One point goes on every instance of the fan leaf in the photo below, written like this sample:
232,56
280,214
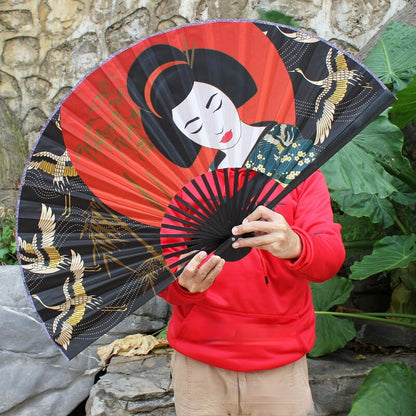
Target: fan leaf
393,58
392,252
331,333
389,389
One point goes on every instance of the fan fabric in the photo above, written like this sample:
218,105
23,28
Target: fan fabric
165,147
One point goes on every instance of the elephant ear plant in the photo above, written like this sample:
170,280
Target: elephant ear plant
373,185
372,182
388,389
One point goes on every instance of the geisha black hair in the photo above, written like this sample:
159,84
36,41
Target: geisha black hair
162,76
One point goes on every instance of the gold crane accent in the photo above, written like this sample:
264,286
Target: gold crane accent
76,304
41,254
334,87
301,37
60,168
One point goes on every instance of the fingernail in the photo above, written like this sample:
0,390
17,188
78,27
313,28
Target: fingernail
234,230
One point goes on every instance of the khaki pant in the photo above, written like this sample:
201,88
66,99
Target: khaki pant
202,390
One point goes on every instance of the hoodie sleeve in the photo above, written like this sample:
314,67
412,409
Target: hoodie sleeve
323,251
175,294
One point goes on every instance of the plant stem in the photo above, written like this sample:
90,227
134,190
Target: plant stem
371,317
359,244
391,314
401,226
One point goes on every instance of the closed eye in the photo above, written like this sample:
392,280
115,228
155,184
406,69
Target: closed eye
197,130
191,122
219,106
212,100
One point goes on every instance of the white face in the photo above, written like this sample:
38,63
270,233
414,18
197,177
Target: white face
208,117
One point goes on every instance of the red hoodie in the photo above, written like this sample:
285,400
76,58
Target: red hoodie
258,313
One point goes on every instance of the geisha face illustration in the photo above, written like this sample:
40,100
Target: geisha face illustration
208,117
189,105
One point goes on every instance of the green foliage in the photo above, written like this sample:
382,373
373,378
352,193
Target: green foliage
358,229
382,187
277,17
404,109
390,253
7,239
373,187
381,174
389,389
331,333
163,333
393,59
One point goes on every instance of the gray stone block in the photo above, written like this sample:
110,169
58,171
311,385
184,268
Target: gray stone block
33,372
133,386
137,385
335,378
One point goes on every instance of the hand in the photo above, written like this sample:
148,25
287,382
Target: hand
271,233
197,277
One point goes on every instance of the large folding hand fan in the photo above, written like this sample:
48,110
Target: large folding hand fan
163,149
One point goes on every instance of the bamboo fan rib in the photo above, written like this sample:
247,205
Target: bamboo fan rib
223,206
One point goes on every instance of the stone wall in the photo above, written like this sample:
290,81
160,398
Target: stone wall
47,46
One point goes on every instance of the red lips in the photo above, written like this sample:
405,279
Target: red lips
227,137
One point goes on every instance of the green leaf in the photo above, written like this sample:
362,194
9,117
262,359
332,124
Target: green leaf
393,58
392,252
277,17
333,292
384,141
404,109
380,211
405,195
370,169
358,229
331,333
388,390
356,168
164,332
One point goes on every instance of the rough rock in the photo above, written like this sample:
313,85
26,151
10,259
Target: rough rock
142,385
335,378
15,20
21,51
13,154
148,319
33,373
130,29
134,386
